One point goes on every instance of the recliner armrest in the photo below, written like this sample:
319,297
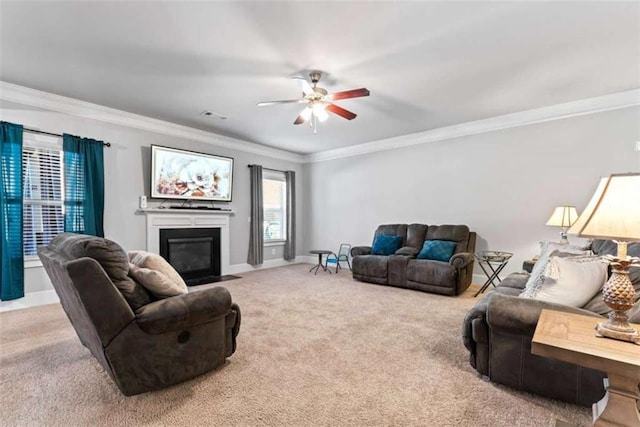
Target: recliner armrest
461,260
360,250
409,251
517,315
183,311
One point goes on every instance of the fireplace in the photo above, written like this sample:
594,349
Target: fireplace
171,219
193,252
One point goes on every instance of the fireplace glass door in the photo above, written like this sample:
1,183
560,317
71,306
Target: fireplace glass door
193,252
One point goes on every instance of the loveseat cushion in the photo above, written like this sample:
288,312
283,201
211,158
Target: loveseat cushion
436,273
371,265
111,257
386,245
515,280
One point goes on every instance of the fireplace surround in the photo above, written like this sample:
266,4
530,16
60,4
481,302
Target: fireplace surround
167,219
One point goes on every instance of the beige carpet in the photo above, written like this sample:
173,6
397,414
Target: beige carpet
313,350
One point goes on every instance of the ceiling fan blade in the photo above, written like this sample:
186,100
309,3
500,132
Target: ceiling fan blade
354,93
299,120
341,112
289,101
304,85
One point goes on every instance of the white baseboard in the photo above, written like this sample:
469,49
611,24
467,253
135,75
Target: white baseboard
479,279
31,299
271,263
34,299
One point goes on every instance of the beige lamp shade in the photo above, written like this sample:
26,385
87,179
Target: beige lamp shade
614,210
563,216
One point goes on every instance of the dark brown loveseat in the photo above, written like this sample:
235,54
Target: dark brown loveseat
402,269
141,343
499,328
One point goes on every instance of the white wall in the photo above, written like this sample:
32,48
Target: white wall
503,184
127,164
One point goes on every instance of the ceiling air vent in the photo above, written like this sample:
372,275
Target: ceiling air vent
211,114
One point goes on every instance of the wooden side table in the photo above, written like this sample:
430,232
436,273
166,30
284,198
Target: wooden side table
571,338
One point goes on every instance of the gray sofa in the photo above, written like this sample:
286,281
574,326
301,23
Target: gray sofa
402,269
141,343
499,328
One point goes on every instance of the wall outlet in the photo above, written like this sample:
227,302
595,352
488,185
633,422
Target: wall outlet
273,251
143,202
637,145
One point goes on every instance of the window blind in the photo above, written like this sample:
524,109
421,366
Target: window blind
42,193
274,199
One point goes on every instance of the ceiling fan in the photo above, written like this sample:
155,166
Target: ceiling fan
319,101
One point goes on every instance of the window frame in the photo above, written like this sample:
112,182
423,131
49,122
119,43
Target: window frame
35,141
271,175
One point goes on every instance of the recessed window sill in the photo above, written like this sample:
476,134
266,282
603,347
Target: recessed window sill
32,262
275,243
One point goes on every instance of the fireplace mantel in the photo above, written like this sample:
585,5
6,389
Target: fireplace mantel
188,218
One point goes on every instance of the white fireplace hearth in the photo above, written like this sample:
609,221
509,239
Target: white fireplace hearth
158,219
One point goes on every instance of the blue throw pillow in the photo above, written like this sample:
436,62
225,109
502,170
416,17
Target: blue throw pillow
386,245
437,250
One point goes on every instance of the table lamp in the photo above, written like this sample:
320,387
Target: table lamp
614,213
565,217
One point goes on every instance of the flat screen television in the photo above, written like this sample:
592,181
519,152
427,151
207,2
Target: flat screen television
187,175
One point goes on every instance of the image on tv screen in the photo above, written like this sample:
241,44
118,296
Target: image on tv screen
180,174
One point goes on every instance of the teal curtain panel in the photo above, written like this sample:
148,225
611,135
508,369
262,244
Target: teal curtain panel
83,185
11,216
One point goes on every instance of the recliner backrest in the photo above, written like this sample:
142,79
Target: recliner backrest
453,233
416,235
392,230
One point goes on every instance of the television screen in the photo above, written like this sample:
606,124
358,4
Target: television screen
181,174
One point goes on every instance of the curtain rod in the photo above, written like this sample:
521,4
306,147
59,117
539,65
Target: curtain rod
268,169
107,144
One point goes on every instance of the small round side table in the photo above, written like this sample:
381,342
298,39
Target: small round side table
320,252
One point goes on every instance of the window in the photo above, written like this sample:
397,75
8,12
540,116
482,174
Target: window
42,191
274,196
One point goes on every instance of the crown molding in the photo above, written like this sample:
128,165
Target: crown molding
615,101
62,104
52,102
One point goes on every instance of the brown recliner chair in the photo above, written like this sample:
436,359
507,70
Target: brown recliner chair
142,343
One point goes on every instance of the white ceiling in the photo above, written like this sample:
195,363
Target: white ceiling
427,64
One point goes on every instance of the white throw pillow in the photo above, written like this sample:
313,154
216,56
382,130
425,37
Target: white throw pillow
156,262
572,281
156,282
537,274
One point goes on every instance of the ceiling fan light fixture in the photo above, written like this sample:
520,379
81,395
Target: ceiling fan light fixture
319,101
306,113
321,114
